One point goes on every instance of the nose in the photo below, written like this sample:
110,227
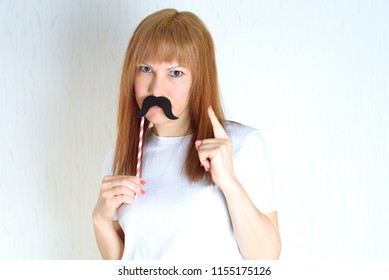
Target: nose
158,85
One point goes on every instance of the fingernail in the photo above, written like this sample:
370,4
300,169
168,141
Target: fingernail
142,191
142,182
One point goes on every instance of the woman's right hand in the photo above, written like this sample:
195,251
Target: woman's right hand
116,190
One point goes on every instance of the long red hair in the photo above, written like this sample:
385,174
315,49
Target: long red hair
162,37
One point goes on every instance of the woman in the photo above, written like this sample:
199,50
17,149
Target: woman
205,191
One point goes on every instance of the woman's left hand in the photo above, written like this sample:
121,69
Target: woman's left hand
215,154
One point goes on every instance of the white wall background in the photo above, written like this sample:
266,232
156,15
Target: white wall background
316,77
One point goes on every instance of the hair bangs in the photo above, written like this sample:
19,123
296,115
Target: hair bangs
166,43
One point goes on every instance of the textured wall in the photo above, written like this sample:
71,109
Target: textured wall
314,76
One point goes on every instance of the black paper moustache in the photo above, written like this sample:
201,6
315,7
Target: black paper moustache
160,101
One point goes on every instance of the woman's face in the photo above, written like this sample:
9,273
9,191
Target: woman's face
168,79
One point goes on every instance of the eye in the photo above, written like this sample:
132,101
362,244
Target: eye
145,69
176,73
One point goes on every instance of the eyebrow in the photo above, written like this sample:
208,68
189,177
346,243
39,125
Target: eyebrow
145,64
170,68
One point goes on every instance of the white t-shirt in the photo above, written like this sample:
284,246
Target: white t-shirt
179,220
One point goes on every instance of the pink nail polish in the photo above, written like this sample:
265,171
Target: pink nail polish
142,191
142,182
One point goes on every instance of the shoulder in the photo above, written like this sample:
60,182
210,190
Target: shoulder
243,135
108,162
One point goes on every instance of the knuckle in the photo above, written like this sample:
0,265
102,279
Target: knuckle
125,190
124,182
119,190
121,182
227,143
107,178
105,196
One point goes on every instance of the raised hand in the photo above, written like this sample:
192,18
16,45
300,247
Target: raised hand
215,154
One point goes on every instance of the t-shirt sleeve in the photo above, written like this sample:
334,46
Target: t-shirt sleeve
107,170
108,164
252,167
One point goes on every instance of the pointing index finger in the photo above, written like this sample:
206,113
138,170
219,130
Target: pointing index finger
218,129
